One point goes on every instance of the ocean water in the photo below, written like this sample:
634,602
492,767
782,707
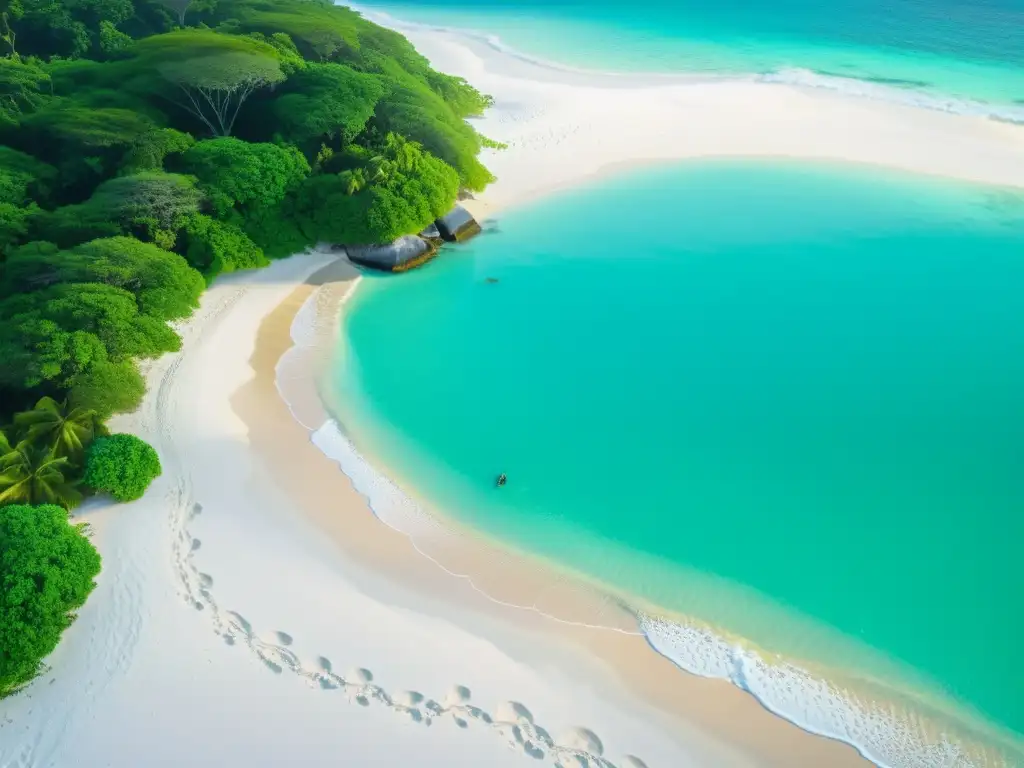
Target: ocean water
775,405
958,55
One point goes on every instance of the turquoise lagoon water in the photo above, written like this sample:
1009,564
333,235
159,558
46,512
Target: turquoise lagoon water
949,53
783,399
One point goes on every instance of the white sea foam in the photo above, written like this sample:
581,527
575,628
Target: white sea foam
875,729
387,501
897,94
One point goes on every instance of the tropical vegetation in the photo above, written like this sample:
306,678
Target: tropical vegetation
46,572
121,465
146,147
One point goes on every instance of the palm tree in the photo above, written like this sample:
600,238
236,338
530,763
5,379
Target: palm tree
405,153
355,181
33,475
65,431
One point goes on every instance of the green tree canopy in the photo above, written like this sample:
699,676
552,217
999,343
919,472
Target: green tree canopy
14,225
25,87
163,284
326,101
81,130
238,173
215,247
212,74
407,190
62,331
121,465
152,205
148,151
47,571
107,387
23,178
85,143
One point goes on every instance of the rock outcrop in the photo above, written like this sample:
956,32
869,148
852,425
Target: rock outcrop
457,225
404,253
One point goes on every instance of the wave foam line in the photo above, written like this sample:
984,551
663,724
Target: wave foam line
907,95
813,704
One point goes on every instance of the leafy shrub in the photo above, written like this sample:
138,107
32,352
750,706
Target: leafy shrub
121,465
46,573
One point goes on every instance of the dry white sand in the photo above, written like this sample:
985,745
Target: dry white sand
229,630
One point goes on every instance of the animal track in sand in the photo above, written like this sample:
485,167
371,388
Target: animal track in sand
513,721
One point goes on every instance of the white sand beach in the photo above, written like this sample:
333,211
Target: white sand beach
252,610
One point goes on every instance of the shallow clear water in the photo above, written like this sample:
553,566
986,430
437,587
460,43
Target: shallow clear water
802,382
946,48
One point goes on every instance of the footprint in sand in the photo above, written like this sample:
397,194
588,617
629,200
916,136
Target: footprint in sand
239,621
283,638
196,544
631,761
543,736
535,752
460,694
360,675
205,580
271,665
433,707
513,711
582,740
324,665
408,699
197,509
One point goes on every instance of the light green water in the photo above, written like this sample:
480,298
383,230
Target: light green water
785,399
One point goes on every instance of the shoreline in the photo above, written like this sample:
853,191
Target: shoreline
537,120
564,128
461,583
503,580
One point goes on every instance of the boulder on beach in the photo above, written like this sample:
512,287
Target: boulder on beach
405,252
457,225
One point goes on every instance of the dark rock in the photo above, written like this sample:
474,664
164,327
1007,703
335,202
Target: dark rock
457,225
404,253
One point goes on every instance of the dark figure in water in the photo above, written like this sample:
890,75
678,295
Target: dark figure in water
502,479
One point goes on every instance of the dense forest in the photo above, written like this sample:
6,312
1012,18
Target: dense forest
147,146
